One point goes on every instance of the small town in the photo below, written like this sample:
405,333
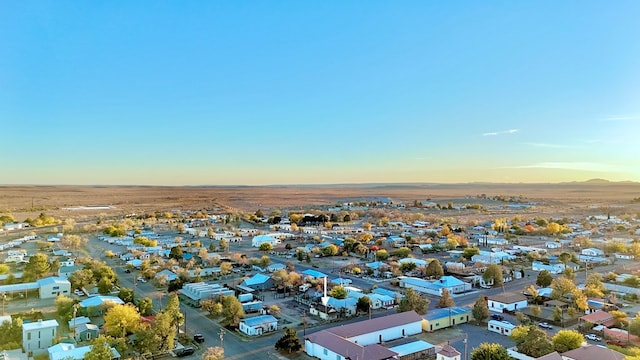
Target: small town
368,279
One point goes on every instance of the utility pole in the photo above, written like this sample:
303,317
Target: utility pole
75,312
222,338
466,346
4,297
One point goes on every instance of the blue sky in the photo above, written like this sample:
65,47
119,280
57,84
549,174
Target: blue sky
303,92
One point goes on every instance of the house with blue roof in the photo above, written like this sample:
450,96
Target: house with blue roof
259,282
346,306
258,325
418,262
313,274
51,287
445,317
452,284
168,274
92,305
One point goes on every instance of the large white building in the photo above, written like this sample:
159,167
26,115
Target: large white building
362,339
51,287
258,325
38,335
262,239
507,302
452,284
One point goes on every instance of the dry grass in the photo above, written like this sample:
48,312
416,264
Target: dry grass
125,199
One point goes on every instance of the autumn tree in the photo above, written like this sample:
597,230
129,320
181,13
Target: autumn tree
493,274
382,255
265,247
173,310
338,292
413,301
480,309
145,306
363,304
232,311
446,300
566,340
490,351
100,349
434,270
561,287
544,278
64,306
38,265
531,341
121,320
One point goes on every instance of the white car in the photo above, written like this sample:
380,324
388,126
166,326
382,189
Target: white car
545,325
141,279
593,337
78,292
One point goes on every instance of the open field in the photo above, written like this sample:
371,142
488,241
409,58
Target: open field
26,201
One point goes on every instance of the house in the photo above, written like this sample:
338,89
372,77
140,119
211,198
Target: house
507,302
326,345
598,318
38,335
86,332
313,274
275,267
77,321
264,239
414,350
500,327
360,340
624,256
443,318
93,305
66,271
259,282
592,252
492,257
448,352
452,284
194,293
418,262
168,275
556,268
323,312
258,325
591,352
345,307
64,351
552,245
51,287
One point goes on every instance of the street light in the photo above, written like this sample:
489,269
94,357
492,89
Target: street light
222,338
4,297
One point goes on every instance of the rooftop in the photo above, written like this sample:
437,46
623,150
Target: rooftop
445,312
258,320
591,352
350,349
40,324
449,351
377,324
508,298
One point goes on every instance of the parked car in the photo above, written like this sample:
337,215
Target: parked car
78,292
592,337
545,325
141,279
198,338
128,271
185,351
497,317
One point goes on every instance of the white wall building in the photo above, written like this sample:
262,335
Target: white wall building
258,325
507,301
261,239
500,327
38,335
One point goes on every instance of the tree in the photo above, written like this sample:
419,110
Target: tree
434,270
469,252
382,255
64,306
100,349
145,306
172,309
274,309
413,301
561,288
531,341
213,353
535,310
544,278
225,268
265,247
402,252
446,300
265,261
105,285
363,304
330,250
121,320
224,245
566,340
408,266
480,309
176,253
490,351
232,311
38,265
289,341
493,274
338,292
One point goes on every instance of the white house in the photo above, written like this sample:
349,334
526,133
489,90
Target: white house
262,239
500,327
258,325
592,252
552,245
506,301
38,335
492,257
360,339
448,352
624,256
65,351
556,268
452,284
51,287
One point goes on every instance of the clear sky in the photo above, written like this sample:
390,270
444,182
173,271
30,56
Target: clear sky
305,92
